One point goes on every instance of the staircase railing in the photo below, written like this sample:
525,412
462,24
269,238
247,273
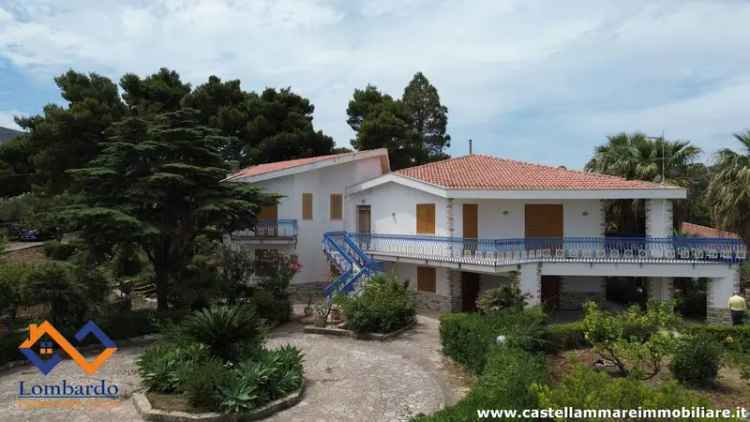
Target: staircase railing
356,265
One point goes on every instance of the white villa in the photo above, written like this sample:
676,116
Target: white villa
453,228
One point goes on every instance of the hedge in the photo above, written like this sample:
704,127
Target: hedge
568,336
467,338
733,337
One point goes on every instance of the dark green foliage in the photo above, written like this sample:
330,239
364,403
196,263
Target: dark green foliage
561,337
412,128
267,376
585,388
502,298
54,285
222,329
201,382
128,324
467,338
383,306
58,250
269,307
164,368
9,347
696,360
13,278
506,383
157,184
16,167
733,338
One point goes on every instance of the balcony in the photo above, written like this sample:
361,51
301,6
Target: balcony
499,252
268,232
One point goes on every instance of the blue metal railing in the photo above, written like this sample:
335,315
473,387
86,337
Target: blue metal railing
282,228
511,251
353,263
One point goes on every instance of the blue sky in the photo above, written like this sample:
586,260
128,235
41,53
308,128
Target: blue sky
533,80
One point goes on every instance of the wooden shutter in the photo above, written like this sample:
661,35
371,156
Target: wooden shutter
544,220
425,218
426,279
337,205
471,221
269,213
307,206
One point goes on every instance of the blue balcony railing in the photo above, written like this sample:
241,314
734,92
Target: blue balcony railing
588,249
269,229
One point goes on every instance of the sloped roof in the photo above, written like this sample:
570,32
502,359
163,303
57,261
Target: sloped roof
278,166
691,229
483,172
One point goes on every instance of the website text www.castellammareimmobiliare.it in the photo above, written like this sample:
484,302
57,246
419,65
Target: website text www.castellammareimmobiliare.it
614,414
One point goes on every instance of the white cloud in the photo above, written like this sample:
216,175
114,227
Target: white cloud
6,119
516,75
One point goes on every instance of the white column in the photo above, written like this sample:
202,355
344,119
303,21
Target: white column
660,289
530,283
717,297
659,218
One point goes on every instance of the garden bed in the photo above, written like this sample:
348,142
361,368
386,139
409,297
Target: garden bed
338,330
175,408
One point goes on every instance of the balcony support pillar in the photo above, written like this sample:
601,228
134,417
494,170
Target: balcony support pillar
659,219
660,289
719,290
530,283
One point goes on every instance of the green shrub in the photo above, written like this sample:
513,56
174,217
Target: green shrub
502,298
505,384
635,342
223,329
568,336
269,307
383,306
9,347
201,382
267,376
696,360
13,276
165,367
586,388
734,338
58,250
55,285
467,338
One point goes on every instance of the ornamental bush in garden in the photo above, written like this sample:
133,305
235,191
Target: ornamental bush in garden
217,360
696,360
383,306
636,342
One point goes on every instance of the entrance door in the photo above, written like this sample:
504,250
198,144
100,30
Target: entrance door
544,226
469,291
363,219
364,226
551,291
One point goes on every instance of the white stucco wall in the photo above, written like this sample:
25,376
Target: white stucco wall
394,209
659,218
503,218
321,183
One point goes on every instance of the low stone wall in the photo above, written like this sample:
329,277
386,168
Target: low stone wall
718,316
432,303
302,293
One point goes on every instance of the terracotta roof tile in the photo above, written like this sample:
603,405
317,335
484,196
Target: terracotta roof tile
483,172
691,229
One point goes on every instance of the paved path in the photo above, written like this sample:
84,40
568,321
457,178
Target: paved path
347,380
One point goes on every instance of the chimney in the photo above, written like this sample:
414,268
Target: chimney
471,150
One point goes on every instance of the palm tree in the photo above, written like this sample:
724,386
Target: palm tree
729,190
636,156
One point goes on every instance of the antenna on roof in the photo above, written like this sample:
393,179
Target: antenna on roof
471,150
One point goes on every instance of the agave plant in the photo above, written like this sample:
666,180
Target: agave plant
223,329
238,396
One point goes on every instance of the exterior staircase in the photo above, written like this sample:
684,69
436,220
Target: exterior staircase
354,265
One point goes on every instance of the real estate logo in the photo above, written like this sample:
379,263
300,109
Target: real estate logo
50,344
50,358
